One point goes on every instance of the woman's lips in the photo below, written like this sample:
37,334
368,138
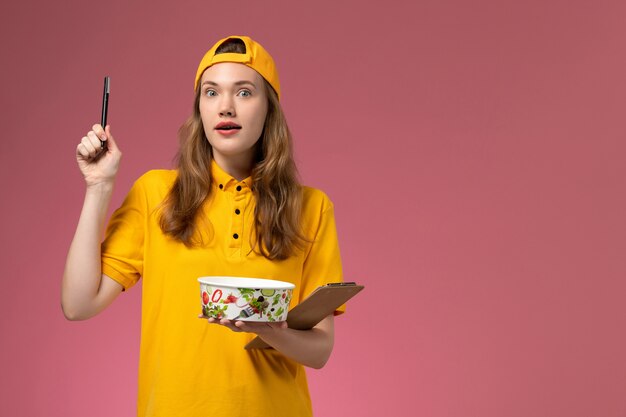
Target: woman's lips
227,132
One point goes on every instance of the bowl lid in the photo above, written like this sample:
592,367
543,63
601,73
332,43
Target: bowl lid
245,282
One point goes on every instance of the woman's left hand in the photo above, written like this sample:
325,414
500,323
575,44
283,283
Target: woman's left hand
258,328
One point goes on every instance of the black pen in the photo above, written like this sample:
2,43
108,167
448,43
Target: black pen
105,105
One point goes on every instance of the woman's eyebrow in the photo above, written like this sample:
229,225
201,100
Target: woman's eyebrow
235,83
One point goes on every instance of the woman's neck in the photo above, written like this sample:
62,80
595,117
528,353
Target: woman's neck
238,167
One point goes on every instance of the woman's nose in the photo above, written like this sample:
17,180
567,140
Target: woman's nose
227,108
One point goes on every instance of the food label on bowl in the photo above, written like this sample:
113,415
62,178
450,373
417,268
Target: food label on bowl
245,303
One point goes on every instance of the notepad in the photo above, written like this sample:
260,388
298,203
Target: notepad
319,304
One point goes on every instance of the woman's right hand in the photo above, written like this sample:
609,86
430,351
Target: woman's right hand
98,165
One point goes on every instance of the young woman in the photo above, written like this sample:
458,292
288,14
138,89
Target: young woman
233,207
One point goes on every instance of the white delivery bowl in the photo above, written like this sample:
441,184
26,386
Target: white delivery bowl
246,299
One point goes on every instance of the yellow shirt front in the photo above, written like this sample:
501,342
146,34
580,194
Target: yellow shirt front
189,367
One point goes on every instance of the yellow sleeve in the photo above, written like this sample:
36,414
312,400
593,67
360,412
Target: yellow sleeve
322,264
122,248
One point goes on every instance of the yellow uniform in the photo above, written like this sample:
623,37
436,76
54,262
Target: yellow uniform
189,367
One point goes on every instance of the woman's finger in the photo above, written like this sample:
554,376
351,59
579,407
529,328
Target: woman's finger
86,142
99,131
230,324
95,140
82,151
279,325
112,145
223,322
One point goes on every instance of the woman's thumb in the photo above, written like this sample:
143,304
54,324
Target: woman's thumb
111,144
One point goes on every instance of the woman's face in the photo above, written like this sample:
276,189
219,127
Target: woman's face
232,92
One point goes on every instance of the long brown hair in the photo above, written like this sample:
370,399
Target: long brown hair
278,194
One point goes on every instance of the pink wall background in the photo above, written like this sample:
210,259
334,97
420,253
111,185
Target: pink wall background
474,152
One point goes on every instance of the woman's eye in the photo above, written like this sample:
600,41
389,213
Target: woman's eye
213,93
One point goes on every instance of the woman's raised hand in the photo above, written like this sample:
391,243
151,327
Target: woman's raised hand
96,164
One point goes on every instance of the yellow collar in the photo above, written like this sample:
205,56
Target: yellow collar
225,181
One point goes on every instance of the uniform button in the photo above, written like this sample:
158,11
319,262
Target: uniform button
237,211
236,236
221,186
239,188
